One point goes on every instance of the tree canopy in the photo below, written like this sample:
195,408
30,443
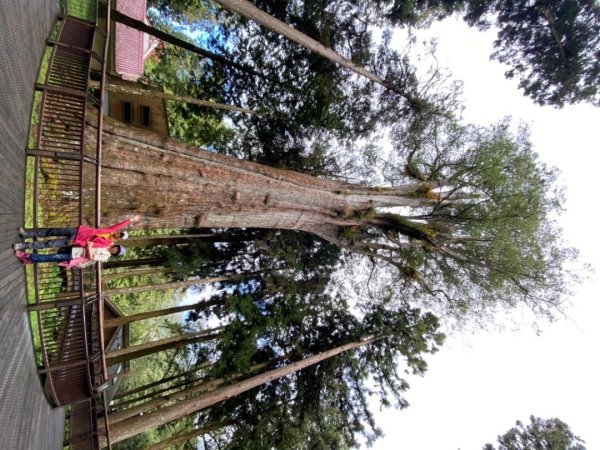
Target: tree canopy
551,46
448,217
548,434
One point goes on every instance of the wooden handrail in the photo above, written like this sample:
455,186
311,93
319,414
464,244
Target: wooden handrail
98,178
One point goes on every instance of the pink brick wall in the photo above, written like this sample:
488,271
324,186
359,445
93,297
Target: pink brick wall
129,43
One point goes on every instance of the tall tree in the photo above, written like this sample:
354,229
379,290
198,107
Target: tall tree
547,434
137,351
141,90
248,10
182,43
299,327
551,46
133,426
478,227
326,406
174,284
131,263
161,401
119,321
407,334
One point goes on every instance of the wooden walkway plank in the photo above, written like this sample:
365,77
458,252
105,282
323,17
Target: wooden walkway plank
26,420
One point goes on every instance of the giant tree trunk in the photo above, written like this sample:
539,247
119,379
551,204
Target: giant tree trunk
130,427
172,185
175,239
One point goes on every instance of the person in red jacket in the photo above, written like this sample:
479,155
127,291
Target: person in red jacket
77,236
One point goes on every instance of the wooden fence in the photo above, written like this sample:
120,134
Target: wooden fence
65,305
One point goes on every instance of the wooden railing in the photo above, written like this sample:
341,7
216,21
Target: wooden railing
66,305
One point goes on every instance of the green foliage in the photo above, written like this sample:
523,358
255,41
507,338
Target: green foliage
551,46
83,9
238,342
187,260
419,12
325,405
548,434
186,74
184,12
485,234
351,234
365,214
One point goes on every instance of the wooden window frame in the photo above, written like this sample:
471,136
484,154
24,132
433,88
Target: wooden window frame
127,110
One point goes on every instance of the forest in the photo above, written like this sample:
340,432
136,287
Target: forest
321,216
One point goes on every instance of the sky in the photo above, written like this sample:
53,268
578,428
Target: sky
481,382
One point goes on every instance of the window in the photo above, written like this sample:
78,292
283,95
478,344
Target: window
146,115
127,112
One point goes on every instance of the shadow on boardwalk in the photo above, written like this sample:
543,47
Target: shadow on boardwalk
26,420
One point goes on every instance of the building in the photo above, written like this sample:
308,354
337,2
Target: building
129,50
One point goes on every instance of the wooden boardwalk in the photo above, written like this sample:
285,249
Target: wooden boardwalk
26,420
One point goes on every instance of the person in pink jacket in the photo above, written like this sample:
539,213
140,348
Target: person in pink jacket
79,236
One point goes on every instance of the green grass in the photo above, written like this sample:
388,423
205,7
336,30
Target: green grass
44,65
29,284
29,192
35,336
83,9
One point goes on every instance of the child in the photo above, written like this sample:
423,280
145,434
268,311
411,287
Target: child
73,255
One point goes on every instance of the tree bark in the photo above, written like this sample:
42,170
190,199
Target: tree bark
124,394
118,321
248,10
172,97
137,351
172,285
135,425
172,185
145,408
